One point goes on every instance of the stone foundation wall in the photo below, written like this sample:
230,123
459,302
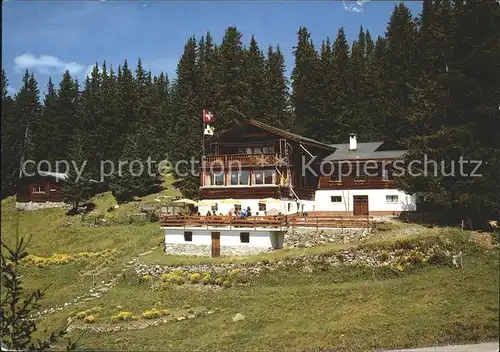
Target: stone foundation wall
206,250
38,205
304,238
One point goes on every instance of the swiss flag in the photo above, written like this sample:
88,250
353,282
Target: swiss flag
208,116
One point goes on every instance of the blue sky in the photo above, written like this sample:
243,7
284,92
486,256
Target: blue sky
49,37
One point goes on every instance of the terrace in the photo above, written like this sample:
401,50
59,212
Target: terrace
278,222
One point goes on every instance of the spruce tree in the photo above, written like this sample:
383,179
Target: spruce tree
254,68
27,112
400,71
10,146
278,96
187,121
66,117
304,89
342,93
234,99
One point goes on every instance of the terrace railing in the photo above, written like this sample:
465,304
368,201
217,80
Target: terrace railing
279,221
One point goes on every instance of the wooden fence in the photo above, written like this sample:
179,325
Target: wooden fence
267,221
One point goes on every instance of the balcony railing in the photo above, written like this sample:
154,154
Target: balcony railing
279,221
261,160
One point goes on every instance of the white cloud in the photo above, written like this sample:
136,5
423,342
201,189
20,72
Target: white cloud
46,64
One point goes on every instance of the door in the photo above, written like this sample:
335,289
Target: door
360,205
215,244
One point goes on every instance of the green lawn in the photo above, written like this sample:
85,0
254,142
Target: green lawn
343,308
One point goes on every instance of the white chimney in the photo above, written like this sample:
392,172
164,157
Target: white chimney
353,142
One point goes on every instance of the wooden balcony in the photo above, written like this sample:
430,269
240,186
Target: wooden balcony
235,160
279,221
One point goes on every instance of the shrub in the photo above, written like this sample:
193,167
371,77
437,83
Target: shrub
439,257
89,319
151,314
206,279
81,315
195,278
415,258
123,316
384,256
219,281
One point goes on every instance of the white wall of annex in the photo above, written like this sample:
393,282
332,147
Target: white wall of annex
377,200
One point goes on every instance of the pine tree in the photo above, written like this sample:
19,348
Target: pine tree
45,137
66,117
340,98
324,101
234,99
278,96
400,71
187,121
78,188
455,106
303,76
10,146
27,112
254,68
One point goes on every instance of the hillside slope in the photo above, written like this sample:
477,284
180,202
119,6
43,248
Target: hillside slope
342,307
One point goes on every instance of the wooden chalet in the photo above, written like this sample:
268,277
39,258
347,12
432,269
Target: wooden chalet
42,187
255,160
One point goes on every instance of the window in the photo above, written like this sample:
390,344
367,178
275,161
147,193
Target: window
359,173
264,177
52,189
257,150
38,189
248,150
265,150
240,178
188,236
237,207
391,199
241,150
335,177
387,173
214,208
271,150
262,206
217,179
336,199
245,237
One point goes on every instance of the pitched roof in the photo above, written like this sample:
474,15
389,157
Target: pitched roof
285,134
363,151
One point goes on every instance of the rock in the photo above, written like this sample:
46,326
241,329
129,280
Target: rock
181,318
238,317
190,316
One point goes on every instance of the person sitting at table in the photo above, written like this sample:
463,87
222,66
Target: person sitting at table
209,213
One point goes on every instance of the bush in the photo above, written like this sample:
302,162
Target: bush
195,278
89,319
151,314
123,316
206,279
439,257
